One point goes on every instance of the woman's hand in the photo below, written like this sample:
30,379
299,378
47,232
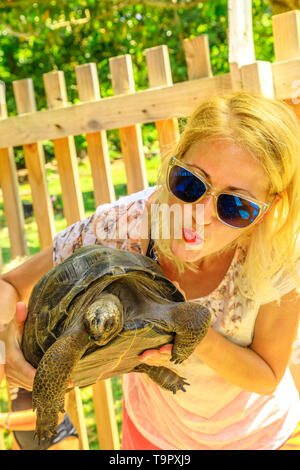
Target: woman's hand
157,357
18,372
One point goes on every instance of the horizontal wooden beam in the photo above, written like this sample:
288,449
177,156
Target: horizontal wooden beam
115,112
145,106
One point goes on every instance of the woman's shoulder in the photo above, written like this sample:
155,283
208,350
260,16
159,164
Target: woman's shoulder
116,224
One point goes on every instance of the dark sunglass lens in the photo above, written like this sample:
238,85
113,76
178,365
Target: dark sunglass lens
184,185
236,211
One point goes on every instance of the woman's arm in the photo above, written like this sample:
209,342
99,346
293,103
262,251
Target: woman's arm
15,289
22,278
258,368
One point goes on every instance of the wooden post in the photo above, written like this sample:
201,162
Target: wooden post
159,73
240,38
35,163
286,31
197,57
74,409
131,137
13,211
88,89
258,77
65,151
105,416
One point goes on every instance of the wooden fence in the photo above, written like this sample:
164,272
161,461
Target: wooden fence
163,102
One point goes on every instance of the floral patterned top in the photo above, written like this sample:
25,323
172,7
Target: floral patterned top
213,413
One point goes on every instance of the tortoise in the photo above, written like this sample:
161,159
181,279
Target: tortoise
92,315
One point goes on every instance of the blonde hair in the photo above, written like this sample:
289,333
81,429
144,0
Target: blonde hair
269,130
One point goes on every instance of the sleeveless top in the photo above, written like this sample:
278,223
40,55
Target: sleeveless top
213,414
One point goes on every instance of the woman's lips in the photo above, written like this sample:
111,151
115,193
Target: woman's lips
191,237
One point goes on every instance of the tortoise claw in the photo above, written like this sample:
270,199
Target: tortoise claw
179,385
42,435
46,424
177,360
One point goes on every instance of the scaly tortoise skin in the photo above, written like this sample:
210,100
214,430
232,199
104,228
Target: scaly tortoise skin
92,315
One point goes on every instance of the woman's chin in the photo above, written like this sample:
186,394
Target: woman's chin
188,252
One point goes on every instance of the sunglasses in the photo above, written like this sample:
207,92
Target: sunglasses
233,209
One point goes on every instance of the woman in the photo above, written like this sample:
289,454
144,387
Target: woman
237,160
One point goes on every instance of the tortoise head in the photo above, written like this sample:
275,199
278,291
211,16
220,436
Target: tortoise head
104,319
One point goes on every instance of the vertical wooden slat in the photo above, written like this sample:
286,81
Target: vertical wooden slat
257,77
286,31
74,409
130,137
241,43
240,38
88,89
11,199
197,57
65,152
159,73
105,416
35,163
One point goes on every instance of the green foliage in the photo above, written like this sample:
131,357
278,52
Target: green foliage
38,37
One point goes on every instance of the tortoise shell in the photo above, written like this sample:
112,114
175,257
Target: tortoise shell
51,309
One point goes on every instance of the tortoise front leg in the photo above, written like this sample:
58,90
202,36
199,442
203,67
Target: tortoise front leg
52,378
191,323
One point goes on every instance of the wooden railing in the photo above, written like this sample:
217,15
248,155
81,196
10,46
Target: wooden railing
163,103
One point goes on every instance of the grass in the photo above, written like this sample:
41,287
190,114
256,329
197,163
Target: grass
86,186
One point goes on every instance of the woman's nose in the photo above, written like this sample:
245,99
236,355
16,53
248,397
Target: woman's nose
208,209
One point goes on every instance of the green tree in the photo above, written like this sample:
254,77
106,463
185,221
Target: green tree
37,37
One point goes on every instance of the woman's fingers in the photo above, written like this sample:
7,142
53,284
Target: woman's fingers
20,373
21,315
17,370
166,348
21,312
157,357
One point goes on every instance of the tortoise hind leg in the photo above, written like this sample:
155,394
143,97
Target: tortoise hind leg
163,376
52,378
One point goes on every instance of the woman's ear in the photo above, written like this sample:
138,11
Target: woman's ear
278,197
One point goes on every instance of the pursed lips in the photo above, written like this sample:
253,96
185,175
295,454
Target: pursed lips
191,236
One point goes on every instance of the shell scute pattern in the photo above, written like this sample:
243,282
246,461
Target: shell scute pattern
99,286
